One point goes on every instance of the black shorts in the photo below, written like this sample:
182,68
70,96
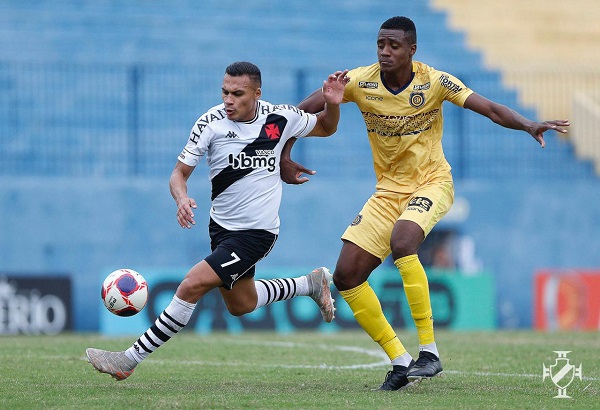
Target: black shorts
234,253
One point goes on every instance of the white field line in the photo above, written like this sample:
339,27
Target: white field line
381,360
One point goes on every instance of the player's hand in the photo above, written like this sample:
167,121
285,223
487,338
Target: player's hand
538,129
291,172
333,87
185,213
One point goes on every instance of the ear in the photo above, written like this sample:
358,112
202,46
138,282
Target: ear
257,93
413,49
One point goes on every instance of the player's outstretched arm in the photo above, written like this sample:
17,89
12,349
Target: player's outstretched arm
504,116
314,103
333,94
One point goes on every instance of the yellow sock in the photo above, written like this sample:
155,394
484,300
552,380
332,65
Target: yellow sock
368,313
416,288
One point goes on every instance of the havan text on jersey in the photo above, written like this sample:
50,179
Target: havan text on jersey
204,121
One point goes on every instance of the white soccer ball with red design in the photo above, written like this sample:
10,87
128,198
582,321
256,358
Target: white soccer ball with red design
125,292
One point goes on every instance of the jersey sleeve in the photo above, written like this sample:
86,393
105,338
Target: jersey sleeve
453,89
349,91
301,122
197,144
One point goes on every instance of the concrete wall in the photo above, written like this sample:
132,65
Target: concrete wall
89,227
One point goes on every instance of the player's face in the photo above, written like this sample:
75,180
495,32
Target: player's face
240,95
394,50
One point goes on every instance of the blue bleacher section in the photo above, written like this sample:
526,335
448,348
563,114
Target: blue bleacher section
135,75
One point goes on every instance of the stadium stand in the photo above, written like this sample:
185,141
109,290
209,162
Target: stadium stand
545,49
140,72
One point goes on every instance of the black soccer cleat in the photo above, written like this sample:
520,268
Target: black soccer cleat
428,365
396,378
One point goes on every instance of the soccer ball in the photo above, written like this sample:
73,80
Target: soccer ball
124,292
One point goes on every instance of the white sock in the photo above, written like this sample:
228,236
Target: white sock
274,290
167,325
431,348
403,360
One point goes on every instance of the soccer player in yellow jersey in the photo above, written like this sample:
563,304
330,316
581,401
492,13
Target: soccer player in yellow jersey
401,103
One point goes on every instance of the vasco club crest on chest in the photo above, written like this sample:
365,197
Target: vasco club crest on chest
273,128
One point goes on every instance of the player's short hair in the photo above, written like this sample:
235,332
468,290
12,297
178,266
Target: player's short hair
244,68
401,23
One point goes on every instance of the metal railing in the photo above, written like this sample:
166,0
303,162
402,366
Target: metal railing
112,120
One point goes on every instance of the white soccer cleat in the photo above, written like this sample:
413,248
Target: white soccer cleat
117,364
318,285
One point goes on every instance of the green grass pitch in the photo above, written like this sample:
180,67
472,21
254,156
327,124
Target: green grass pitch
308,370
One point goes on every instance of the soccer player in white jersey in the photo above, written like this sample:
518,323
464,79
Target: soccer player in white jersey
242,139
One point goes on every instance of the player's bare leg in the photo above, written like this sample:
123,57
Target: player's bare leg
249,295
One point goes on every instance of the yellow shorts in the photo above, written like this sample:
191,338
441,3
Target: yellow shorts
372,227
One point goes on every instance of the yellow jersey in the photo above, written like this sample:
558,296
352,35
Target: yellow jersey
405,126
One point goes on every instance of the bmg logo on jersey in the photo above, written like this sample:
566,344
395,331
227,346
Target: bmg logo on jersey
264,158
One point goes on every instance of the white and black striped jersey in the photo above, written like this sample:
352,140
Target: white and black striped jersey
244,162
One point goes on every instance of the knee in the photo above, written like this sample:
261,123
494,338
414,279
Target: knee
406,239
403,247
344,279
353,268
197,282
240,310
190,290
